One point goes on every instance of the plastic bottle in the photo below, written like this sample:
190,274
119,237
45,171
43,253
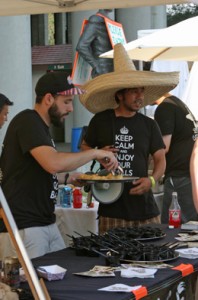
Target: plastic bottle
66,196
174,211
90,200
77,198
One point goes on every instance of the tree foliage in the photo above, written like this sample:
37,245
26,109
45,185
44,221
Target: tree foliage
51,29
179,12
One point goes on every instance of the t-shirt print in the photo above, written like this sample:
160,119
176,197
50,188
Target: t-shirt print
125,143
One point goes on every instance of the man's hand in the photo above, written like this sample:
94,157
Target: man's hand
141,186
73,179
107,159
111,148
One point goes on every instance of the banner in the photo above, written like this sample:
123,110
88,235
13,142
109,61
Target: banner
115,31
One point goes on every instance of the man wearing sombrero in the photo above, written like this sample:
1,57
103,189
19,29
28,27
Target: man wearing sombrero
116,98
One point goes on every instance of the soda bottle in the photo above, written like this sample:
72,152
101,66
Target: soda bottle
77,198
66,196
174,212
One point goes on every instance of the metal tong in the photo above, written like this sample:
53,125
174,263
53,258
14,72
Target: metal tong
105,172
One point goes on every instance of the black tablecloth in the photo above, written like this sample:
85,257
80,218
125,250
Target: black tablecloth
166,282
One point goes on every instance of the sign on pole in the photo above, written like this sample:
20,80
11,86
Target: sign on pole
82,70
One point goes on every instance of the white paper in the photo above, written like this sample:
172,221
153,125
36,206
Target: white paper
138,272
119,287
191,253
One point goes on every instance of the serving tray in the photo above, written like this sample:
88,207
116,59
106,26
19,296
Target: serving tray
175,256
113,179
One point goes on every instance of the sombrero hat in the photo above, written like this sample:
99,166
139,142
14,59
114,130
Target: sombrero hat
100,91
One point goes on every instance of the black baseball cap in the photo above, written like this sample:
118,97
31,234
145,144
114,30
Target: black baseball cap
56,82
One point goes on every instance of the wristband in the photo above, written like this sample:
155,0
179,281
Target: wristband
66,178
152,179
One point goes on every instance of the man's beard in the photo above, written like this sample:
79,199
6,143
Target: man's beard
128,107
55,116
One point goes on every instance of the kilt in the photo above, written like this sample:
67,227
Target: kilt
106,223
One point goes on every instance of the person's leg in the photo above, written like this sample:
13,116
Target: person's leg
41,240
168,189
37,241
56,241
183,187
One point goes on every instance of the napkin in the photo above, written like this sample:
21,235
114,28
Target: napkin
191,253
138,272
119,287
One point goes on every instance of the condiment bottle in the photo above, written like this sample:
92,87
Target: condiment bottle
174,211
90,202
77,198
11,267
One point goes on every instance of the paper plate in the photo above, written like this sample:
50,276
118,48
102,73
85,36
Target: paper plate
53,272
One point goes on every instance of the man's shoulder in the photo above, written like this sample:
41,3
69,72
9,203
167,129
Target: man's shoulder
105,113
171,104
103,117
145,118
172,100
166,104
26,116
27,113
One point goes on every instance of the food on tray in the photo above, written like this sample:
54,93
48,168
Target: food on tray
110,176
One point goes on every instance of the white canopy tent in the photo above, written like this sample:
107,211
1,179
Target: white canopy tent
177,42
25,7
191,91
172,66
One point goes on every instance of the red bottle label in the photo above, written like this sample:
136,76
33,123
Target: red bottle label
175,218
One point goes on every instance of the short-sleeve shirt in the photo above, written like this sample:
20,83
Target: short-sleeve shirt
171,118
29,189
136,137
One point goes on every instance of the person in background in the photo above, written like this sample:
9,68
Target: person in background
4,109
94,41
30,163
176,124
118,127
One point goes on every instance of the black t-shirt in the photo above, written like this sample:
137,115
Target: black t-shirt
136,137
171,117
28,188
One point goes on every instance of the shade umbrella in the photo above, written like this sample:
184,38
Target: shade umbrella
27,7
177,42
